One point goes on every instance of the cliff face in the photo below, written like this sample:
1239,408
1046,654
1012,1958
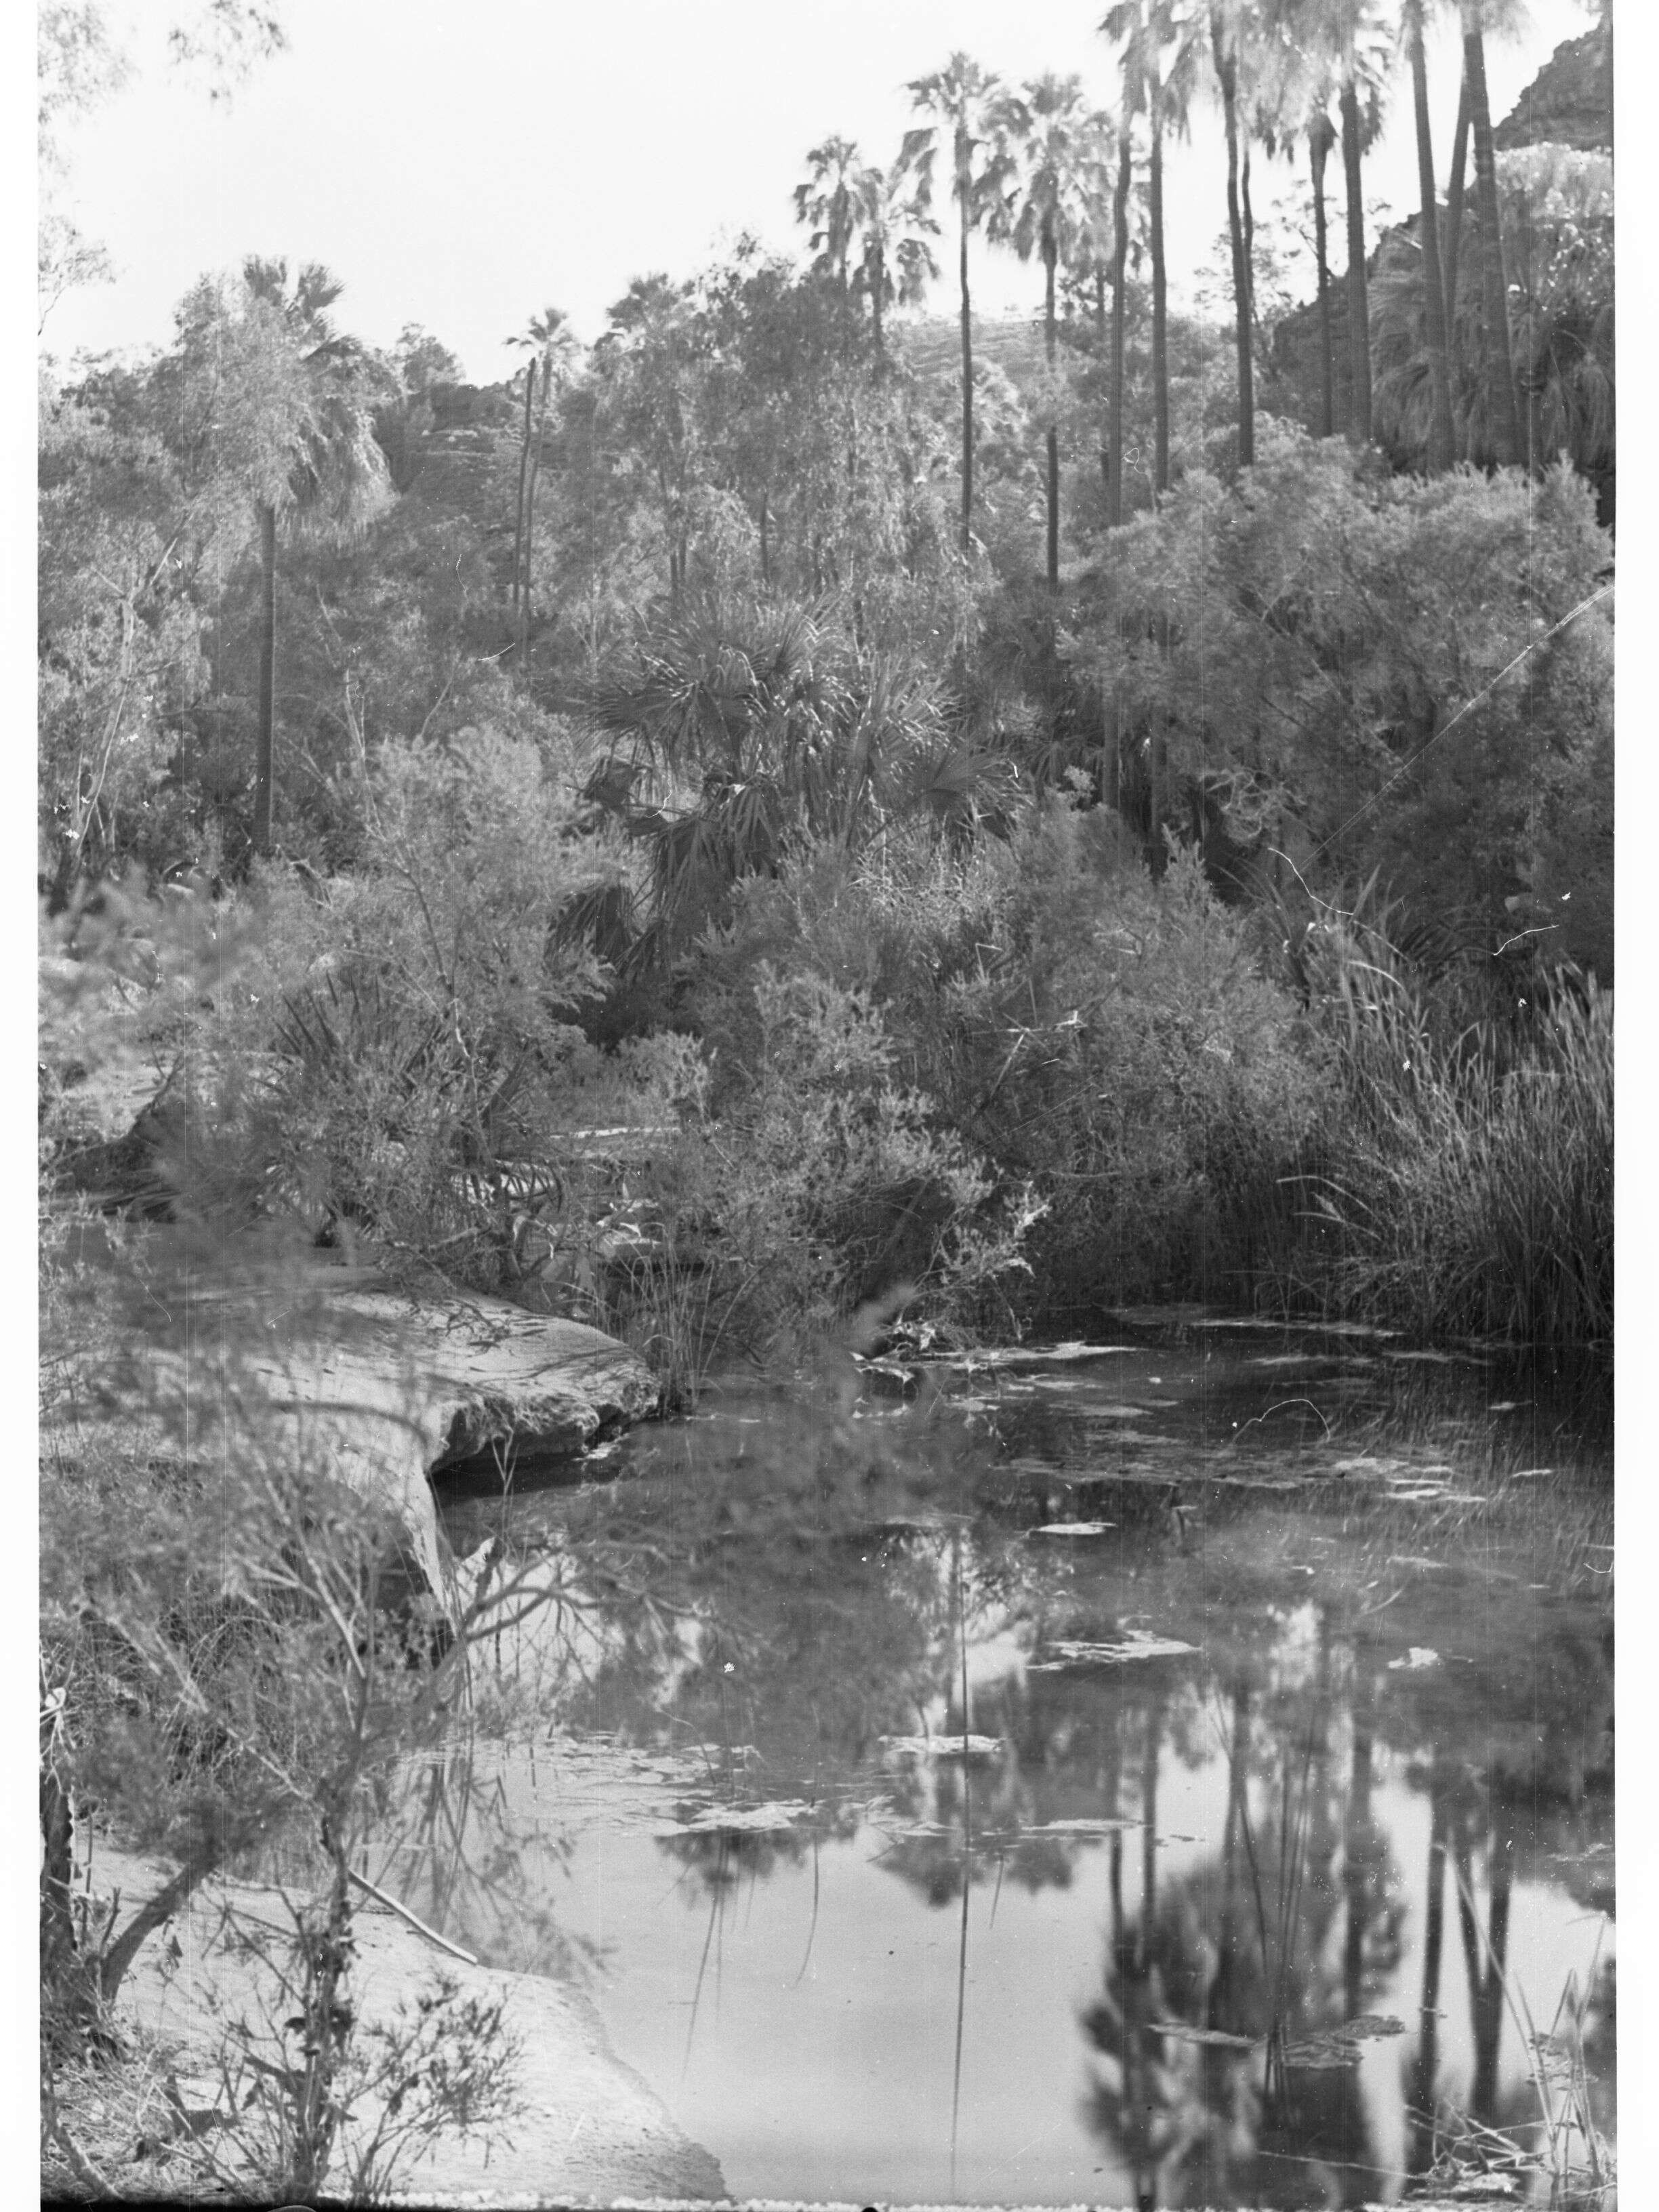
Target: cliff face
1570,102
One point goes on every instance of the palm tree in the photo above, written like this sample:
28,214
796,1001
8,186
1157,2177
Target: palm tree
1230,25
1500,368
1160,49
970,103
826,199
1056,136
552,346
1355,29
1441,435
326,469
1296,99
897,263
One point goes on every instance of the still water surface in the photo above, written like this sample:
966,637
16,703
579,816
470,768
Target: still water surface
1180,1774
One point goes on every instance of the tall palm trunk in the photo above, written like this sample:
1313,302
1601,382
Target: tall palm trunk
1319,146
1119,269
1455,192
1160,309
524,469
265,773
530,512
1050,257
1360,326
1494,288
1227,70
967,375
1441,434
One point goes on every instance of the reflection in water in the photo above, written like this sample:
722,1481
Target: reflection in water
1195,1793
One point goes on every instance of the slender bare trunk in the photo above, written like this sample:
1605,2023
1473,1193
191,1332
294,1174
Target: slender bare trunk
1360,329
967,380
1494,287
1319,146
1160,312
1120,317
1455,190
524,467
1227,71
1050,256
529,514
265,773
1442,440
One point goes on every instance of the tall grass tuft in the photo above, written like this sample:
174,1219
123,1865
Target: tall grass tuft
1461,1182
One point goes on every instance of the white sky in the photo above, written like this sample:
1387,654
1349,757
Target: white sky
462,167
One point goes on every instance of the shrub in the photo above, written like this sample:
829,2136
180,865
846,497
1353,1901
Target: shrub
1104,1039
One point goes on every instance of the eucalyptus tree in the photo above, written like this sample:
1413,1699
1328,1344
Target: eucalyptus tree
1441,434
552,348
1058,140
968,106
1160,45
311,456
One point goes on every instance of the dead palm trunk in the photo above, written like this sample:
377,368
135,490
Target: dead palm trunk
1160,309
1119,269
1441,436
265,773
1494,288
1360,331
1319,146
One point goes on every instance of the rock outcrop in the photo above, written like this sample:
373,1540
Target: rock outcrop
340,1371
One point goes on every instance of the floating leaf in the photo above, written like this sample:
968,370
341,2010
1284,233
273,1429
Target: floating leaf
737,1820
1139,1644
1179,2031
1073,1529
942,1746
1417,1658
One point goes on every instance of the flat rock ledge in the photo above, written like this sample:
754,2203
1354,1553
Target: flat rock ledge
588,2131
380,1389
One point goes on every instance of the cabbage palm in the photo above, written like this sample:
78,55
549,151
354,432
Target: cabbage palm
897,263
1356,30
1160,42
968,104
1441,438
1058,140
1500,369
826,199
321,465
552,347
1231,26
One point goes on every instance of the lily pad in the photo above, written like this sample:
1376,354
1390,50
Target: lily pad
1073,1529
1217,2038
942,1746
1139,1644
775,1819
1416,1661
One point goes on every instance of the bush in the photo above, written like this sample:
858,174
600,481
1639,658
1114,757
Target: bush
1108,1041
